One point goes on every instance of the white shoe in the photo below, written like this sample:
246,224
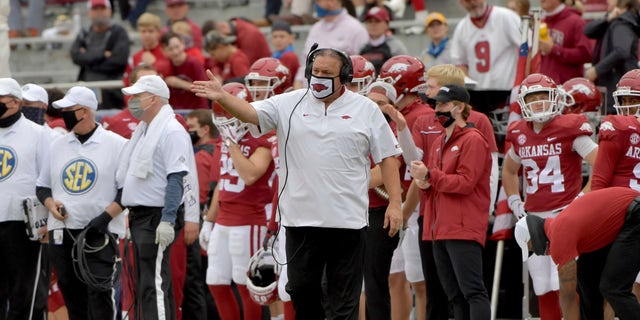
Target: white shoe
397,7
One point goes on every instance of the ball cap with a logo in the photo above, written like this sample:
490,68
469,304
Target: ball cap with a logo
435,16
383,88
452,92
34,93
378,14
81,96
152,84
99,3
531,228
10,87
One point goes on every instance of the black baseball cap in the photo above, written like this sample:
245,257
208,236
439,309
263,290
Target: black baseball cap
452,92
281,25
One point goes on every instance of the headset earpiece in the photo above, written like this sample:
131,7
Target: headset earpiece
346,71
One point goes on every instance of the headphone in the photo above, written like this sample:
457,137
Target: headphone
346,71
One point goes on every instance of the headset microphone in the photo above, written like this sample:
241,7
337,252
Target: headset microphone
313,47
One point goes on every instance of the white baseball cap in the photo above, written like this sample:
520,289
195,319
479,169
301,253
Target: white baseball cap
33,92
388,90
82,96
10,87
150,83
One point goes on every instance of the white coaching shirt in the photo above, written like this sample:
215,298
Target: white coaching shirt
20,161
83,177
171,155
491,52
327,156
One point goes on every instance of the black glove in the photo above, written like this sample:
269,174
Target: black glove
101,222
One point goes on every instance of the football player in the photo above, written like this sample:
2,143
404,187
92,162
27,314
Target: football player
267,77
363,74
550,147
618,161
237,209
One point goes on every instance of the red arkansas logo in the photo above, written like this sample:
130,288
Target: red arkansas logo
319,87
346,116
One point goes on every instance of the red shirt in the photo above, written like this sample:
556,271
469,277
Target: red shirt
237,66
204,165
459,196
552,168
290,60
241,204
190,70
618,153
123,123
162,64
251,40
591,222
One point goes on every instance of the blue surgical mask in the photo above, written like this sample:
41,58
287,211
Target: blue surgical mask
321,12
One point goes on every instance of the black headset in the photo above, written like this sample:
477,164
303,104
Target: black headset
346,71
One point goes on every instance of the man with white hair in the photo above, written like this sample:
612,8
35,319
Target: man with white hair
155,161
20,161
606,219
78,186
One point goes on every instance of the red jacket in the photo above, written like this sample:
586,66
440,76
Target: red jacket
459,196
571,50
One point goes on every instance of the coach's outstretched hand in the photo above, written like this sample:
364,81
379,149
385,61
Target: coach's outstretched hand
211,89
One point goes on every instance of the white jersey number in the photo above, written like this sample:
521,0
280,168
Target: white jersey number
633,183
226,168
549,175
483,55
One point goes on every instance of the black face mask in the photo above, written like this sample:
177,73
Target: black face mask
34,114
194,137
70,119
3,109
445,118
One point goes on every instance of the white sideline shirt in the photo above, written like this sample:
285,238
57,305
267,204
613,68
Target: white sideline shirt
21,158
327,156
83,177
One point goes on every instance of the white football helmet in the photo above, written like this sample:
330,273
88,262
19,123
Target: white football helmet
539,110
262,277
229,126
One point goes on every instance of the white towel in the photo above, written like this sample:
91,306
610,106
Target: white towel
143,162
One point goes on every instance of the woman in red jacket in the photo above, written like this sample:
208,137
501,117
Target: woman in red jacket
456,180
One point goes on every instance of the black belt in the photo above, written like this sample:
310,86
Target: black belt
140,209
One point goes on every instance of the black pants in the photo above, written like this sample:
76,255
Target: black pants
589,270
459,264
82,301
377,263
193,303
437,302
309,251
154,292
621,268
18,273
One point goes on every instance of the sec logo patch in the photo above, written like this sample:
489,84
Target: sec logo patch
79,176
8,162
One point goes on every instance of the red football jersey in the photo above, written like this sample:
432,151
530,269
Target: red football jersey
588,224
618,161
552,168
241,204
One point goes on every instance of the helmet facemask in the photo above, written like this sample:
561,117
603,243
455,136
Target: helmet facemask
539,110
625,108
